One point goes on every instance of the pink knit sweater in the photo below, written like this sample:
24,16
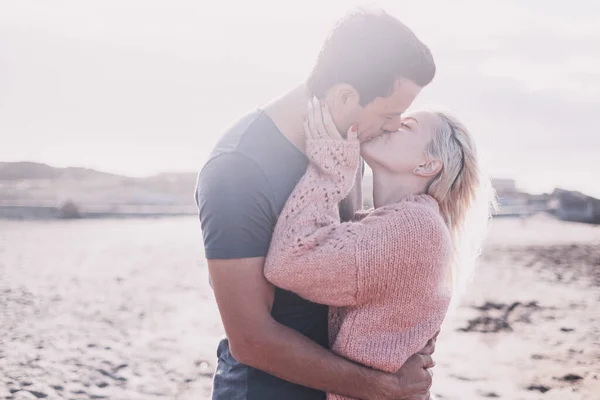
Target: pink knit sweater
384,276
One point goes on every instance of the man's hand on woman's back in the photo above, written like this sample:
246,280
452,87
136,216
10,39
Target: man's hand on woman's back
415,378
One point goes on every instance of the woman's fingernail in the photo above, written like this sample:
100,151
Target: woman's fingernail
354,127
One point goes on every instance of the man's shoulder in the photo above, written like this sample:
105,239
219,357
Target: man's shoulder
253,141
230,160
254,149
232,138
231,172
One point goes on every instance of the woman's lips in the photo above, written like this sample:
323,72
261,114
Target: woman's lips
368,138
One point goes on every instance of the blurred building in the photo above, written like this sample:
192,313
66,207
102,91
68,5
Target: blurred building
507,187
512,202
575,206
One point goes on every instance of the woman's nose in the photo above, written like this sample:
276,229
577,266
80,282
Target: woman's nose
393,124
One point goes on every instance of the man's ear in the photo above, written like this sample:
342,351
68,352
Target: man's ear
429,168
343,96
344,104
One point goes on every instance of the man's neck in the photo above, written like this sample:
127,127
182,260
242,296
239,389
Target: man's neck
390,190
288,113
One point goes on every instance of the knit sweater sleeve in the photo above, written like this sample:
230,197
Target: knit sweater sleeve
312,253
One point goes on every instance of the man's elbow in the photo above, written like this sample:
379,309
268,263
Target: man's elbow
246,347
274,275
281,274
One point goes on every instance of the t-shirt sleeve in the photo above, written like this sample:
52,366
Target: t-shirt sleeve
235,208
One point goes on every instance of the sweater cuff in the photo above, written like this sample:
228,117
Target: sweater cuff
334,156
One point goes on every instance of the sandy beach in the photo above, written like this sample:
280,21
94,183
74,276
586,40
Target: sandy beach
122,309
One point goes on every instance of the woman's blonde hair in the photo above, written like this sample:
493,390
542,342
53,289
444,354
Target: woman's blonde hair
464,193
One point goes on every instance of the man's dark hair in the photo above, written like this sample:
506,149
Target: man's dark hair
370,51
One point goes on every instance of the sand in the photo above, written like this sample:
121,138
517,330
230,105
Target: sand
117,309
122,309
529,327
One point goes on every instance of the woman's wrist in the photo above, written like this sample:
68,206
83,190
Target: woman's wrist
334,155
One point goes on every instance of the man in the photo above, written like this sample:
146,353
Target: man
369,71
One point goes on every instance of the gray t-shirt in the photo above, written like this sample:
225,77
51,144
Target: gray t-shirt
240,193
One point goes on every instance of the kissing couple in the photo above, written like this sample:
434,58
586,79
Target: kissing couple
319,297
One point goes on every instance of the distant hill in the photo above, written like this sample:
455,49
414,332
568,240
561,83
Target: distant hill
11,171
31,184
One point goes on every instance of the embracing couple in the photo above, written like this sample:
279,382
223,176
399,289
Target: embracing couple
320,298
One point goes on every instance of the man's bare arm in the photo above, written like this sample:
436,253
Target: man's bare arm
245,298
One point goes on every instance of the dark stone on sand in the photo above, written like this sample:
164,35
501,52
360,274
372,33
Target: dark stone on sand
539,388
26,383
486,325
69,210
105,373
57,387
112,376
14,390
567,329
571,378
463,378
490,394
496,316
120,367
488,305
537,357
102,384
39,395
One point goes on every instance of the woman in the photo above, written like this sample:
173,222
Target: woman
389,275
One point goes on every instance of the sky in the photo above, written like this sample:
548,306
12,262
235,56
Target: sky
139,87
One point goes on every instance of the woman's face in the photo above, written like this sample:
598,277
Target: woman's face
401,151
